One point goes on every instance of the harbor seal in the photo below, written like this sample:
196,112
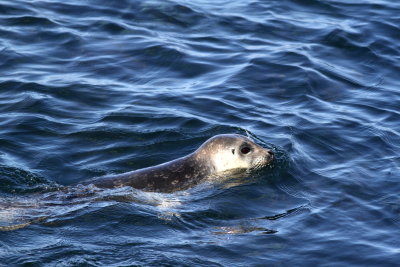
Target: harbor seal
218,157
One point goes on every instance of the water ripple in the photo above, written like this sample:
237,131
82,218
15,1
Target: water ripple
97,87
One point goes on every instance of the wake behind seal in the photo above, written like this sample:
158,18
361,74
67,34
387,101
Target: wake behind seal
216,158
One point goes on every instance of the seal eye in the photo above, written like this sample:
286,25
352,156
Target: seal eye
233,151
245,150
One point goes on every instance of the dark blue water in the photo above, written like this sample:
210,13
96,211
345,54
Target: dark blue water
97,87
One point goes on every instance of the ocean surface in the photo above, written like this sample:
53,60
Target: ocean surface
89,88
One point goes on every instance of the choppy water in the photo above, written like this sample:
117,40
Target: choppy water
96,87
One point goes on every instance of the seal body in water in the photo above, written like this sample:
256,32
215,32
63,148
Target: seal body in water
219,156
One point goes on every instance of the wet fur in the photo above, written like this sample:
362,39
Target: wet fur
214,159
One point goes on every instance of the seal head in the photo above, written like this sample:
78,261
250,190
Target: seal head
231,153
